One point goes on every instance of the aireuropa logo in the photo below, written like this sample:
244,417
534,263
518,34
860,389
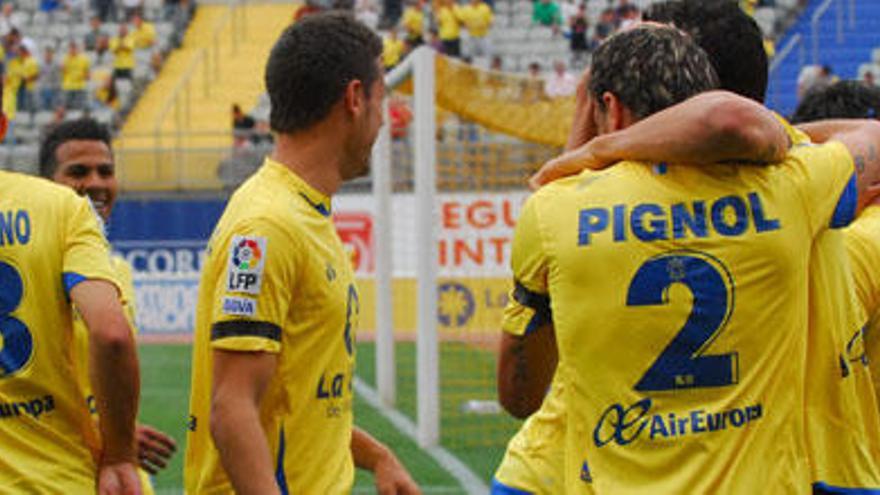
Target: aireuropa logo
247,254
624,425
247,257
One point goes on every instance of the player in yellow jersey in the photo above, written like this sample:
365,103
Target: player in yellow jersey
843,433
52,252
653,379
273,357
78,154
856,100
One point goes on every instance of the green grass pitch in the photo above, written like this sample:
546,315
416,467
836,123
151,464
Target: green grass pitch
478,440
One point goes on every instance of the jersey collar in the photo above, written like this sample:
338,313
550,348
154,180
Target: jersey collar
316,199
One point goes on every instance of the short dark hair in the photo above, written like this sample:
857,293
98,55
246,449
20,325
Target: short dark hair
841,100
84,129
730,37
650,68
312,63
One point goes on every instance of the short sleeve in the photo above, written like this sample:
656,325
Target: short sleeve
826,179
528,306
86,251
252,299
863,247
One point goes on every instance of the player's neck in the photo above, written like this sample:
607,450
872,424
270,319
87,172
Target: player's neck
315,160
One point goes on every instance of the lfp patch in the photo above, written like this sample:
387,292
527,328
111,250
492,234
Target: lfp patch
247,257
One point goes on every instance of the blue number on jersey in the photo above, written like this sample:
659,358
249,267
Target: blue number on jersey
17,342
352,306
682,364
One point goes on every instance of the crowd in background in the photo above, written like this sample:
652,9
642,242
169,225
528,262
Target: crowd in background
102,69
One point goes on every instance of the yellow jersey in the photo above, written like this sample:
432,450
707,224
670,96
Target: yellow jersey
123,52
50,240
477,19
277,279
14,73
863,247
683,272
75,72
392,50
144,36
30,69
448,27
414,22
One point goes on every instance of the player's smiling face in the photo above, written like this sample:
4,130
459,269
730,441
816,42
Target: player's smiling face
87,166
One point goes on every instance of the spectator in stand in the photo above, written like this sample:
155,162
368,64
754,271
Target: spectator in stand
604,28
477,18
75,78
106,94
102,48
449,25
122,48
578,26
393,49
144,33
182,15
533,84
242,126
49,82
869,80
562,83
414,22
621,11
90,41
546,13
29,73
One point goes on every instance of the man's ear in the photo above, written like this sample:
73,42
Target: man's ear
355,99
614,111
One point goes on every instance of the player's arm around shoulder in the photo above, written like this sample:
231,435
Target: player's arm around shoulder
712,127
391,477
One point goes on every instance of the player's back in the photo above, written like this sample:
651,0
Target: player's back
49,242
679,297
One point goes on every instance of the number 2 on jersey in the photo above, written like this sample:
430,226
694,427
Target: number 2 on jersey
683,363
17,344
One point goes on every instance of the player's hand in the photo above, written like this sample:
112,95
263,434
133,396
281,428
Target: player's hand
393,479
154,448
118,479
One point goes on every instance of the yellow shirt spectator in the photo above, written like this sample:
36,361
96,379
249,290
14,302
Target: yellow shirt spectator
123,52
10,102
448,22
413,22
392,50
144,36
30,69
14,74
75,72
477,18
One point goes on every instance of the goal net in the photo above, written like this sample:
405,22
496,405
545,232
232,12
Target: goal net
431,232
